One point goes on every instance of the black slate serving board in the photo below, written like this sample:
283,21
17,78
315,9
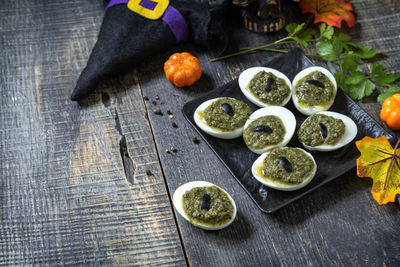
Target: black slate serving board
239,159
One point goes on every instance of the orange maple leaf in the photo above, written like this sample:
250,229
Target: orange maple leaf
380,162
332,12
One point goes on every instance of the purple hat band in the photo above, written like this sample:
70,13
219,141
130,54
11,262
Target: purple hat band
175,21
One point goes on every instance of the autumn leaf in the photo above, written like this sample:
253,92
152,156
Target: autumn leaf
332,12
379,162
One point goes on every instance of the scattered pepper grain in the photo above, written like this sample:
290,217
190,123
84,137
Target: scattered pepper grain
158,112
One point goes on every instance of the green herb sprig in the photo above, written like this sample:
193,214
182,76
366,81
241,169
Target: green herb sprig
337,47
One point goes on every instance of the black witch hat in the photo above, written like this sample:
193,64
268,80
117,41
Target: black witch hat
131,32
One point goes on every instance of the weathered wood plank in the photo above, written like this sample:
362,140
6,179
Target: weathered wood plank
338,224
74,188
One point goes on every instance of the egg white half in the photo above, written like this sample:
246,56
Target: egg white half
308,110
178,204
277,185
246,76
287,118
349,133
212,130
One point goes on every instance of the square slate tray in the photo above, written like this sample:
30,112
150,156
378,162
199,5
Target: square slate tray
239,159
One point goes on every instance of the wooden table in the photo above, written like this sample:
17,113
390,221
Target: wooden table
74,188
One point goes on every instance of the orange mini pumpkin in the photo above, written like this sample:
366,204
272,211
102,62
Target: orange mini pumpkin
182,69
390,112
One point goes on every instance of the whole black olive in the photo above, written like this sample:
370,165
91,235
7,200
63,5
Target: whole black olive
262,128
285,164
205,202
316,83
228,109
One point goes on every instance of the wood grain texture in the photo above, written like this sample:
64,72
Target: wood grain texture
337,225
74,188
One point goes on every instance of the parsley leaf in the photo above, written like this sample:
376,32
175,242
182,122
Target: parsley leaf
369,87
365,52
340,78
355,91
355,78
326,31
329,51
342,37
381,77
391,91
349,63
358,91
293,28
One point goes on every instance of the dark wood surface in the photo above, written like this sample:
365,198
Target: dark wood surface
74,188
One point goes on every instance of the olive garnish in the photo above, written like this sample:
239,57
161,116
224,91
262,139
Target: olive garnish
285,164
269,84
324,130
228,109
205,202
316,83
262,128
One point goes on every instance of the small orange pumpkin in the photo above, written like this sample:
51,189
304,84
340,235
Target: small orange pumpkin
390,112
182,69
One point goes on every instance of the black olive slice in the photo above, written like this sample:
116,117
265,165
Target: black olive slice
205,202
316,83
324,130
228,109
285,164
262,128
269,84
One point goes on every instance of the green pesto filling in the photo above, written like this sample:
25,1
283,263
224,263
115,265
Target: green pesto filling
310,132
302,166
313,95
258,140
221,208
216,117
276,95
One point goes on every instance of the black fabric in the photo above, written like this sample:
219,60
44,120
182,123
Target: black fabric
125,39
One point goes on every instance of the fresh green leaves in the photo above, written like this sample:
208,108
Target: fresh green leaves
388,93
330,50
337,47
300,35
363,51
381,77
326,31
293,29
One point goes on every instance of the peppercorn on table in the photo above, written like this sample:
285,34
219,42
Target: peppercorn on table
91,183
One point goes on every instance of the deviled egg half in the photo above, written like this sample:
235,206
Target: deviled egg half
326,131
265,86
205,205
222,117
285,168
268,128
313,90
